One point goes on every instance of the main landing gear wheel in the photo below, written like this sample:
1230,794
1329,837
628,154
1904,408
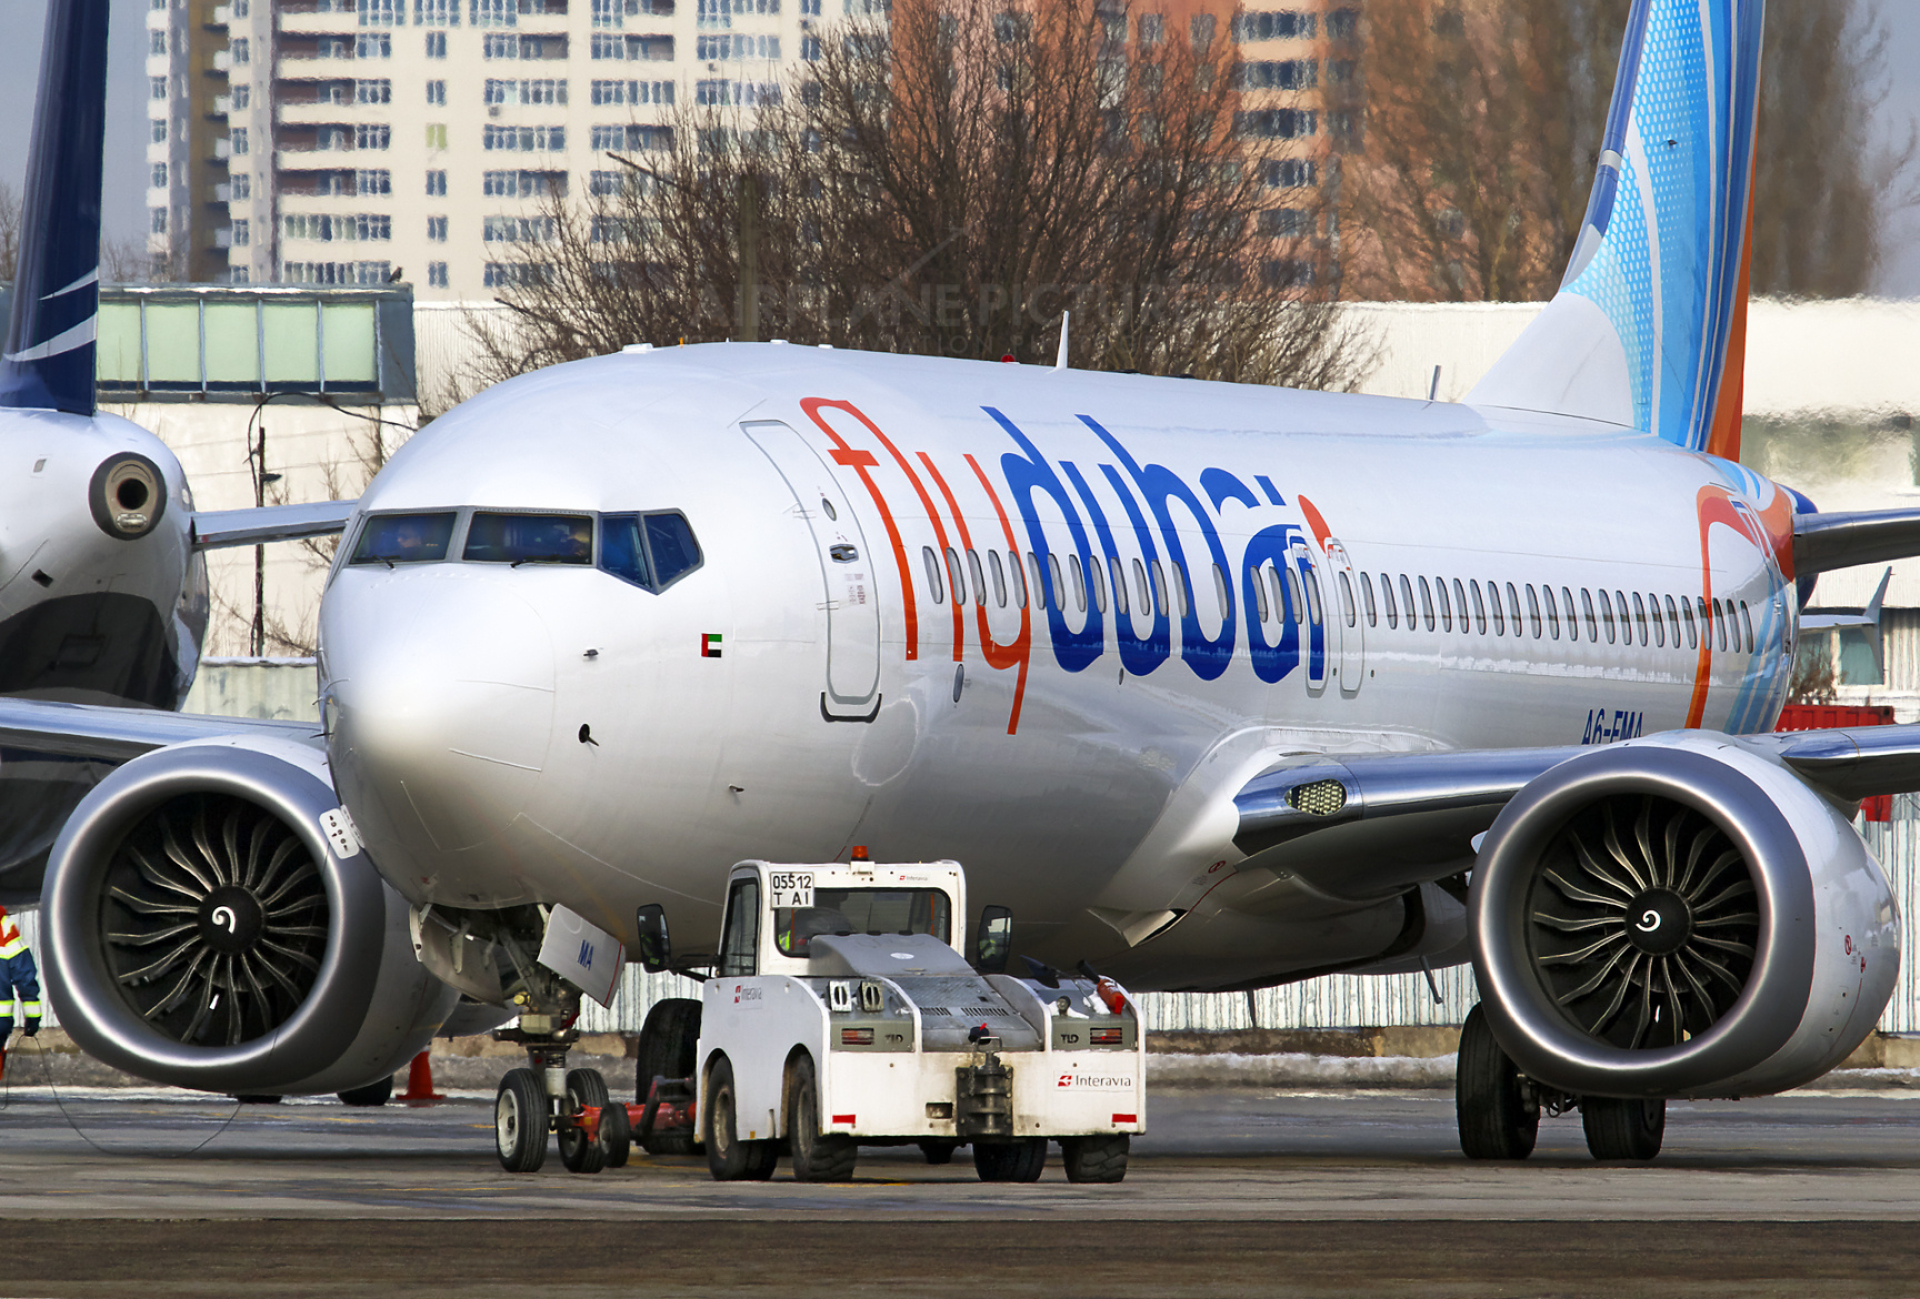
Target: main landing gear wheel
669,1041
1497,1118
581,1151
729,1158
817,1156
374,1093
1095,1159
520,1121
1020,1160
1623,1129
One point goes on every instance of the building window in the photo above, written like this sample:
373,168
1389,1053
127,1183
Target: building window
436,13
241,187
437,183
373,90
724,47
1273,25
495,13
517,230
242,95
524,139
242,233
373,45
436,45
372,135
373,180
156,87
1343,24
157,42
608,13
1276,123
437,229
237,275
159,130
1282,74
1286,223
437,92
383,13
501,275
159,175
541,91
810,49
238,136
1201,29
242,50
1290,173
437,275
436,135
159,220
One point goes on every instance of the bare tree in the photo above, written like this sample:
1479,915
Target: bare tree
1483,119
949,184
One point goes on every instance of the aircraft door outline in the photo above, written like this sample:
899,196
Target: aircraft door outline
1344,604
851,596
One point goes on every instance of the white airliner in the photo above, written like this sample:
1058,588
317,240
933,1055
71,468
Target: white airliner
103,590
1215,686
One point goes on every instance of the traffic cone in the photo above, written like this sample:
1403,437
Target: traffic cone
420,1082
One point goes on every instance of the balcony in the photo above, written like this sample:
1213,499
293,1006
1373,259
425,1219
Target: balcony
222,61
223,237
335,24
222,16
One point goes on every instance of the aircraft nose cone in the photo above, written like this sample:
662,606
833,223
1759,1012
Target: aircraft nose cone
440,703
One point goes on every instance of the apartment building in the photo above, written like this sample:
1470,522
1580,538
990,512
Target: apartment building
362,141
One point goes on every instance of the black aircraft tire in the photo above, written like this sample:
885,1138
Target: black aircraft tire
1623,1129
1020,1160
938,1152
580,1152
375,1093
1095,1159
520,1122
1496,1119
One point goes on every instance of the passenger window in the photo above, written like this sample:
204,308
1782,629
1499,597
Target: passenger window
1686,612
1017,577
1386,598
1366,593
1426,602
1553,612
979,578
1140,585
1406,599
1159,588
1299,594
1118,567
957,576
1460,603
1079,583
404,538
1059,599
1480,608
1606,617
1346,596
1659,628
672,547
1312,581
1220,589
1096,582
933,575
999,579
1513,606
1673,622
1037,588
1626,627
1639,616
1533,611
1446,609
1720,623
739,941
1260,595
1182,588
1283,606
1593,624
1746,625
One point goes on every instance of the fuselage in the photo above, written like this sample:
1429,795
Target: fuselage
906,628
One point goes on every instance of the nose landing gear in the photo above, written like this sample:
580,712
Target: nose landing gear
547,1097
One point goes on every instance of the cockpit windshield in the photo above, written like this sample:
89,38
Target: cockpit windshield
863,911
530,539
404,538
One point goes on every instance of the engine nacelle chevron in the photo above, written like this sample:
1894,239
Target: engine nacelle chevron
1679,916
211,921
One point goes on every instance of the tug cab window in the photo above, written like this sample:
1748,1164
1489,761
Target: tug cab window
404,538
649,550
739,938
863,911
529,539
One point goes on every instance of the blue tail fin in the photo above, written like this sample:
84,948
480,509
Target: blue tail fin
1643,326
49,358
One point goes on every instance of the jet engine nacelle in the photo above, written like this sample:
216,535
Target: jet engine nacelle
211,921
1679,916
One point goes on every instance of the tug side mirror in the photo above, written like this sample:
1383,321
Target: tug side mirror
993,940
654,947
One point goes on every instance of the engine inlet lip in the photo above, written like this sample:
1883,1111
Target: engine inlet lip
123,514
1532,1028
105,1025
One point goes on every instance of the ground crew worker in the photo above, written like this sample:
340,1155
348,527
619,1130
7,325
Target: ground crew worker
19,981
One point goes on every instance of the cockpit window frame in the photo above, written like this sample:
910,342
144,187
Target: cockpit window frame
463,520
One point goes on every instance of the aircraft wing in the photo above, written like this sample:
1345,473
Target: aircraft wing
216,529
117,734
1822,542
1375,825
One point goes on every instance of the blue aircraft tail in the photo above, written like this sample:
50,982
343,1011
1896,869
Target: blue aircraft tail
49,359
1648,328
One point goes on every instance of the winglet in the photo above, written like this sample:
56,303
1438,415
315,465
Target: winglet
1060,361
1648,326
48,362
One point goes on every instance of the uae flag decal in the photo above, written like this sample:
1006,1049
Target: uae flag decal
710,645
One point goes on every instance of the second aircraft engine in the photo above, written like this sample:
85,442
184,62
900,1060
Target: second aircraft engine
1679,916
212,922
